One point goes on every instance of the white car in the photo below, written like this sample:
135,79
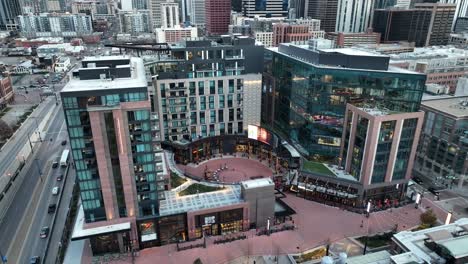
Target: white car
55,190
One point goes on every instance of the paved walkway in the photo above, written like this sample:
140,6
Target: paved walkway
317,224
238,169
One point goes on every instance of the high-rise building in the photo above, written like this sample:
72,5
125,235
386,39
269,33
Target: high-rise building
265,8
461,25
354,15
296,9
9,10
219,95
427,24
292,32
155,7
114,139
442,156
461,10
217,16
169,14
196,12
379,145
55,25
323,10
175,34
140,4
135,22
309,87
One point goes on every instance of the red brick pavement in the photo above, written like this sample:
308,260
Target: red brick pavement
316,224
239,169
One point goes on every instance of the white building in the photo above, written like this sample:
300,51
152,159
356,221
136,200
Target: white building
314,24
169,15
461,11
460,39
135,22
266,38
62,64
175,34
55,25
352,19
155,8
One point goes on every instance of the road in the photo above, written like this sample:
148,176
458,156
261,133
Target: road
29,198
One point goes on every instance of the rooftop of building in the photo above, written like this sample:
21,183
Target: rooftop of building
379,257
456,106
432,52
221,41
453,237
375,60
175,204
137,77
258,183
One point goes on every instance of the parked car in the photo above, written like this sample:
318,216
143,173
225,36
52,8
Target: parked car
55,190
35,260
435,189
64,143
417,180
60,177
52,208
44,232
56,162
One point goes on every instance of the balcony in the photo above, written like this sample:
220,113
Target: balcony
154,116
234,57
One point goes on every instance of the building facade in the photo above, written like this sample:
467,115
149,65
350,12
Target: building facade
427,24
344,40
306,96
324,10
114,139
292,32
351,19
217,94
135,22
443,66
9,10
55,25
6,92
170,15
217,16
176,34
442,153
196,13
461,25
265,8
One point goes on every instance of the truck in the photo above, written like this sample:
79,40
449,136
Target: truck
64,158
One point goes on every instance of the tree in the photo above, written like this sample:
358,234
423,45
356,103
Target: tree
198,261
428,218
5,130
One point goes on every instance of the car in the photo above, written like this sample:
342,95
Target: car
417,180
35,260
55,164
52,208
435,189
64,143
60,177
44,232
55,190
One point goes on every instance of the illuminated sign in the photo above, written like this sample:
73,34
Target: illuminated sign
263,135
210,220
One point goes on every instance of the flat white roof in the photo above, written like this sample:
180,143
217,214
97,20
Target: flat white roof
294,153
80,233
257,183
137,79
354,52
106,58
458,246
175,204
379,257
405,258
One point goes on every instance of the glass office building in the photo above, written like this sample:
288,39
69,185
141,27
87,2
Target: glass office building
306,90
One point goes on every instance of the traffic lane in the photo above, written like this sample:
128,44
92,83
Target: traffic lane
45,219
17,208
34,245
61,215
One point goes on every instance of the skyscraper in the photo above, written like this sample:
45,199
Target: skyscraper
325,11
217,16
196,12
114,140
265,8
351,19
9,10
169,15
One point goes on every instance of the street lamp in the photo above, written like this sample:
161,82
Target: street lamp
449,216
418,200
369,204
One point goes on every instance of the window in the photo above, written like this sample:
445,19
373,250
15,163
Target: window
211,101
70,102
212,87
220,87
220,115
111,99
231,86
221,101
212,116
201,88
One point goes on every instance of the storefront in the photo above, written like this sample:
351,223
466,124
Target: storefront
218,221
163,230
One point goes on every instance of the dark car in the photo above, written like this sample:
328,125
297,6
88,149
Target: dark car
52,208
60,177
44,232
64,143
435,189
35,260
417,180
